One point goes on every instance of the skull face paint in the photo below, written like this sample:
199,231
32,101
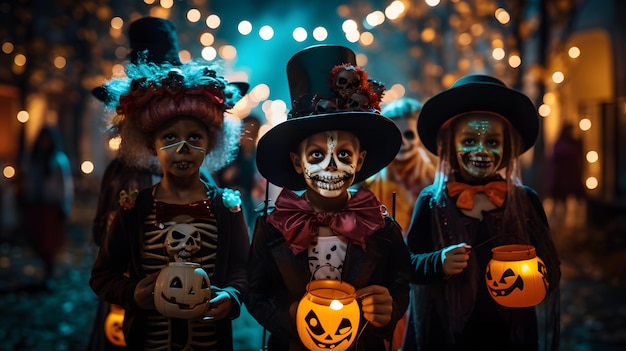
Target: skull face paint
329,161
410,141
479,145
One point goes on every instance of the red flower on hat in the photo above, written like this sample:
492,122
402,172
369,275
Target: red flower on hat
353,89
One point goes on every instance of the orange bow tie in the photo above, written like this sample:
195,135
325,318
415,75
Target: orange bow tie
495,191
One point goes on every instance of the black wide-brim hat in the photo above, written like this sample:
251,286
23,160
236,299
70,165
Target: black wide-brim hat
308,74
153,39
478,93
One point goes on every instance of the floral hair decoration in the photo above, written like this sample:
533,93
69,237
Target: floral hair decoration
152,94
173,86
232,199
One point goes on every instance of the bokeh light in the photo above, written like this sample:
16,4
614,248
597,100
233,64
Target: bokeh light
87,167
320,33
244,27
23,116
584,124
591,183
592,156
213,21
299,34
8,172
193,15
266,32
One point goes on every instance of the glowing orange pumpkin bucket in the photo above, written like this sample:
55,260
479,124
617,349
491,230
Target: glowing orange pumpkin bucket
328,315
516,277
113,326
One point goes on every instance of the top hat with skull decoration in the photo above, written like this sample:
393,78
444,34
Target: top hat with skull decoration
328,92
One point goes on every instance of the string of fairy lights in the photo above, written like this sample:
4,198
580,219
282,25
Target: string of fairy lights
478,36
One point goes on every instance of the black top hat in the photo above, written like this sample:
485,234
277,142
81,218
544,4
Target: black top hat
328,92
156,36
478,93
152,39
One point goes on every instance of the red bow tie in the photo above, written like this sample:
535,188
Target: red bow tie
495,191
166,212
299,223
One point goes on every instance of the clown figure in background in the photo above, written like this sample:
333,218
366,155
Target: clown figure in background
478,128
175,113
318,228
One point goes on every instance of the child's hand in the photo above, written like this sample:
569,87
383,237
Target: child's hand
455,258
376,304
144,292
219,306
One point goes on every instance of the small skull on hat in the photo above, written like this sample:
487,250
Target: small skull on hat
353,91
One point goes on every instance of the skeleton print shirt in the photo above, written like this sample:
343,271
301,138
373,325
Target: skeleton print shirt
326,256
180,233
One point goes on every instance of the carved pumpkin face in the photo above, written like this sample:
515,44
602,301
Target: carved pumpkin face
113,326
328,315
516,277
182,290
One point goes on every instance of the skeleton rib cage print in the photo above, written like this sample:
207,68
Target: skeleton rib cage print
181,239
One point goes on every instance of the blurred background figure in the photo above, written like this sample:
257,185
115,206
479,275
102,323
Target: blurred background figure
118,176
564,180
47,194
412,169
9,217
157,39
242,173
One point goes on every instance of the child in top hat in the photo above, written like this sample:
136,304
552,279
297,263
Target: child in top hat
333,137
478,128
174,112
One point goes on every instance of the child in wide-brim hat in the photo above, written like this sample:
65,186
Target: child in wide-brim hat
334,136
479,127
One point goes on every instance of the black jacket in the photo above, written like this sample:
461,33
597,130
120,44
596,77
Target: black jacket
278,279
121,252
457,313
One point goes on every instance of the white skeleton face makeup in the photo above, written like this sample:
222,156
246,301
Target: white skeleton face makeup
479,144
182,241
329,161
410,141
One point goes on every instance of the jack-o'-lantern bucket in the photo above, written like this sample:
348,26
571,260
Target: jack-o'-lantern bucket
328,315
515,276
113,325
182,290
